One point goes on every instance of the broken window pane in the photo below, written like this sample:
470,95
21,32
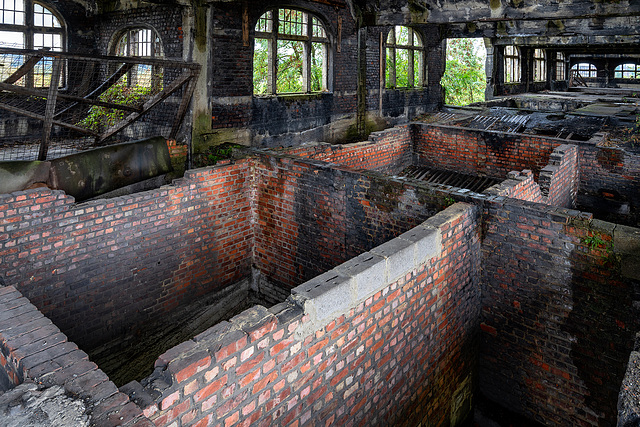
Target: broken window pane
261,66
293,47
12,12
539,66
290,59
511,64
318,61
627,71
403,62
18,32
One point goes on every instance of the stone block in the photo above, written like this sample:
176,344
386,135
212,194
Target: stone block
369,274
428,243
326,294
399,254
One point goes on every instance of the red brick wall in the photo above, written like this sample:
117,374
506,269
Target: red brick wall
479,152
99,267
400,357
388,151
32,348
560,178
558,322
311,217
558,181
610,168
496,154
519,185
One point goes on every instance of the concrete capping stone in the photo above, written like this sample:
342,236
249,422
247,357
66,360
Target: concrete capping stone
332,294
368,271
399,254
626,243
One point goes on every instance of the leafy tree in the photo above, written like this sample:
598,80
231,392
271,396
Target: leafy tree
464,77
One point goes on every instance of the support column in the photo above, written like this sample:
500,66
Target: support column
361,113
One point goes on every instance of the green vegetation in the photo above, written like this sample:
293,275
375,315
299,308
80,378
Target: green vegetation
215,154
593,241
464,77
101,118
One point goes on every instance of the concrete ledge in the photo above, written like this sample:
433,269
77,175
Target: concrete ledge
18,175
626,244
332,294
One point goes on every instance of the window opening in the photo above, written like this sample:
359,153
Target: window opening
539,66
511,64
560,70
464,78
585,69
627,71
145,43
290,53
43,30
404,58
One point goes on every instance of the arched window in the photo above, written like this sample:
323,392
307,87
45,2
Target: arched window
627,71
539,66
585,69
560,73
144,43
511,64
25,24
405,58
290,54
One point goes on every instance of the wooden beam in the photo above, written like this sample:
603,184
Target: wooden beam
171,88
41,118
34,92
184,104
24,69
50,108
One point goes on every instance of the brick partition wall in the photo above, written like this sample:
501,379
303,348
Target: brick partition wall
610,168
490,153
101,267
480,152
558,181
398,350
558,320
312,217
33,349
388,151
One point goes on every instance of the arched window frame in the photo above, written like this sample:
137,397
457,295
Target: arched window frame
140,42
586,69
560,66
539,65
275,29
627,71
511,64
41,27
413,47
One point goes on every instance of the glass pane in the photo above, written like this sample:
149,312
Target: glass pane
265,23
292,22
43,17
402,35
417,41
10,63
402,68
261,66
388,68
318,61
318,29
290,57
417,64
13,39
12,12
